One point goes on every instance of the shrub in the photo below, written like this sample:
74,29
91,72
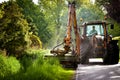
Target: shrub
8,66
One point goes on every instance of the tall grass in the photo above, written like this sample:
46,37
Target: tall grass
32,66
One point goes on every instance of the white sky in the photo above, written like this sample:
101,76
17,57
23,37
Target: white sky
92,1
35,1
2,1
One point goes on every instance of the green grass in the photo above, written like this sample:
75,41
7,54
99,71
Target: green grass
32,66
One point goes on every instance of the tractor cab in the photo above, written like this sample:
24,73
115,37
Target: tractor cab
95,28
97,43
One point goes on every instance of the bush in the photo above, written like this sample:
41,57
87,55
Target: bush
8,66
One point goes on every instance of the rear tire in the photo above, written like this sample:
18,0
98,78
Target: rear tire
112,54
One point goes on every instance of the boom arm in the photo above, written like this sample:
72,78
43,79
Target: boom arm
72,22
67,40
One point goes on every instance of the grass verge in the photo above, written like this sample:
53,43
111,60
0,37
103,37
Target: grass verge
32,66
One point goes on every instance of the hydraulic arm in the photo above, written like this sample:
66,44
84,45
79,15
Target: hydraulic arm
72,22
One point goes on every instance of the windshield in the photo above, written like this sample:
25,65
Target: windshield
94,29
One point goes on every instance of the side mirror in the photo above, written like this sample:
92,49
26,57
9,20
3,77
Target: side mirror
112,26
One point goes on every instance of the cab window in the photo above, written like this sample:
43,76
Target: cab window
94,30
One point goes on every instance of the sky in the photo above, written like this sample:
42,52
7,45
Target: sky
2,1
35,1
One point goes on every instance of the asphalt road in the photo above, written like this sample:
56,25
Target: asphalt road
98,72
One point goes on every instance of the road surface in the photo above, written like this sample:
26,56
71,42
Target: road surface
98,72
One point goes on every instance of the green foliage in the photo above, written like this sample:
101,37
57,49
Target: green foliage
1,11
90,12
13,29
33,29
29,56
46,71
35,42
8,66
39,24
116,31
53,11
32,66
41,69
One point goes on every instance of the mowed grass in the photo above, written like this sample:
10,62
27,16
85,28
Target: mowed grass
33,66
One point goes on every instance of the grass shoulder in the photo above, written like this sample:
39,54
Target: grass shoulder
33,66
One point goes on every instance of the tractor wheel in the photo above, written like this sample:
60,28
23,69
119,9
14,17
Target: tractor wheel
112,54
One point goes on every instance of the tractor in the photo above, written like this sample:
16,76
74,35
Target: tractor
97,43
91,41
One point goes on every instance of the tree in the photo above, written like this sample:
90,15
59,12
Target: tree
56,14
112,7
53,11
13,29
33,29
90,12
113,11
34,13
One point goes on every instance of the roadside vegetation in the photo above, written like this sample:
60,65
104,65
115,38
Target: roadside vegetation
22,39
32,66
